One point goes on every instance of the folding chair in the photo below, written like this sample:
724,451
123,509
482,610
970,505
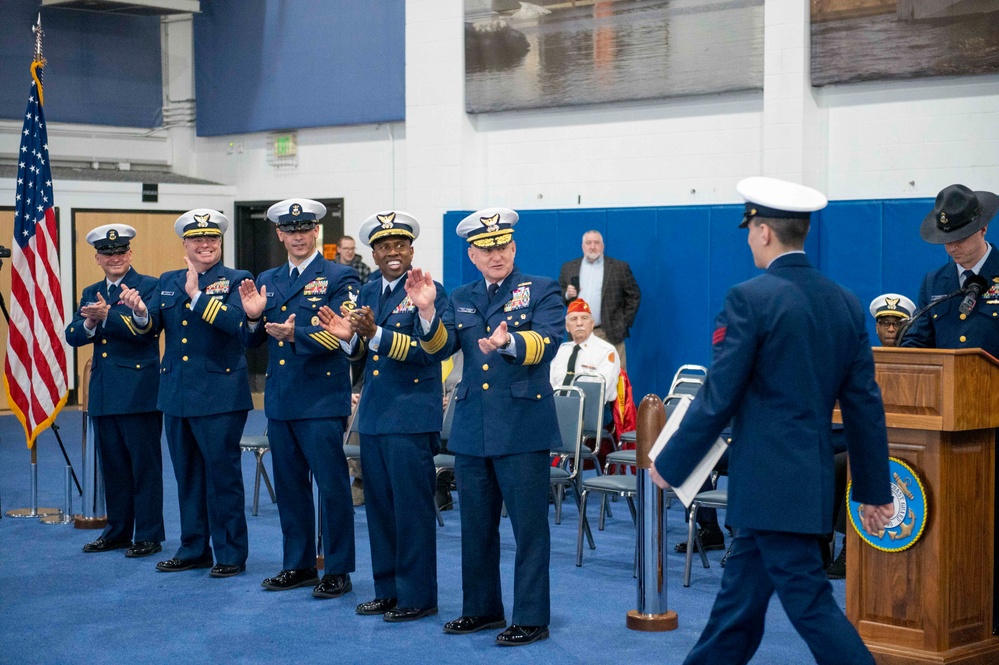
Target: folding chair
565,474
258,445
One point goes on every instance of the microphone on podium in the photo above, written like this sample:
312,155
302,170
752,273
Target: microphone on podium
973,287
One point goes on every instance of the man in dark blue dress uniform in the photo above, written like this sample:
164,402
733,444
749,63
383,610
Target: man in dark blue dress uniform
509,326
399,421
306,399
781,411
959,221
123,386
204,396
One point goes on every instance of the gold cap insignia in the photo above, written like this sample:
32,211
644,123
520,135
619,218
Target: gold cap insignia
112,235
892,303
202,220
491,223
296,210
387,220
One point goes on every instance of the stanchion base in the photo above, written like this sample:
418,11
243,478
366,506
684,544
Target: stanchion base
320,562
27,512
61,518
652,623
81,522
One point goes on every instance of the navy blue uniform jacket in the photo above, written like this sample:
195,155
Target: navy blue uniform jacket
402,382
943,326
203,371
504,404
125,374
787,345
310,377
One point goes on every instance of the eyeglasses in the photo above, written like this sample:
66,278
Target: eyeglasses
892,322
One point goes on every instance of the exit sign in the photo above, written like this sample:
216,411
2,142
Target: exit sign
285,145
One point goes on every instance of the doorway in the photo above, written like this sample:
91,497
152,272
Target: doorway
258,249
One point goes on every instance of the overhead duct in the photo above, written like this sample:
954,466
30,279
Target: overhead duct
132,7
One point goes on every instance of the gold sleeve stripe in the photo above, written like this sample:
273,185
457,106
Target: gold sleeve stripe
211,311
326,339
128,323
400,346
437,342
534,346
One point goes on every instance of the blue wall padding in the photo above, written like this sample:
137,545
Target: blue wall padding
103,69
686,258
268,65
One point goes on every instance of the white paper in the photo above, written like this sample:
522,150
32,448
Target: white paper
690,487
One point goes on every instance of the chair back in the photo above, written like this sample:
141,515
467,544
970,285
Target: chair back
570,404
695,372
593,412
685,386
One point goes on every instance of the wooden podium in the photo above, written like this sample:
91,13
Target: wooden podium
932,603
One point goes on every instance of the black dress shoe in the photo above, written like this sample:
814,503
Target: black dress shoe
291,579
711,537
104,545
837,569
376,606
143,548
465,625
176,565
333,586
409,613
226,570
516,636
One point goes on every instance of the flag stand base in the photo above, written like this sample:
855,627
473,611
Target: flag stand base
32,512
61,518
81,522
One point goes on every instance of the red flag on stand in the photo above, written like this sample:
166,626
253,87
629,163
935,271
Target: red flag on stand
35,369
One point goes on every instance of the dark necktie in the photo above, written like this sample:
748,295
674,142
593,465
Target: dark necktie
112,290
294,273
570,369
384,297
493,288
965,276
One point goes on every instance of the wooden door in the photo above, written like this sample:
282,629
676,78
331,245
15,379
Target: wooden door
155,249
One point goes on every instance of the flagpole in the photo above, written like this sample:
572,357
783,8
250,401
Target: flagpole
34,510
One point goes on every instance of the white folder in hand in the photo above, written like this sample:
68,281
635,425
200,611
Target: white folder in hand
689,488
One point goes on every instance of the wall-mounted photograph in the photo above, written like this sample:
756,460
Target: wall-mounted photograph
548,53
874,40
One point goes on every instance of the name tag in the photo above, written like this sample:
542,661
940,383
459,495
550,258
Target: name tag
166,293
467,310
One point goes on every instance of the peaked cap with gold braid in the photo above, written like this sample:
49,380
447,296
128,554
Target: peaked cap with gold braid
387,224
201,222
490,227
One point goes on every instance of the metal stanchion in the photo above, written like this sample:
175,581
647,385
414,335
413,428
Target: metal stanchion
66,516
651,615
34,510
92,509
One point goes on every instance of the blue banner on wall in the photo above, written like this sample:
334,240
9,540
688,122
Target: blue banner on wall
686,258
266,65
103,69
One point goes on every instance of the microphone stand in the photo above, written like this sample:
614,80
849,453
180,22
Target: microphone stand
905,329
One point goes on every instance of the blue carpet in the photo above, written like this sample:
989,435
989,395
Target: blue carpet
58,605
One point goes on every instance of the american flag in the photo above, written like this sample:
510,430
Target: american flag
35,369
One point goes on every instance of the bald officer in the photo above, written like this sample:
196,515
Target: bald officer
204,395
123,385
509,326
399,420
306,399
890,311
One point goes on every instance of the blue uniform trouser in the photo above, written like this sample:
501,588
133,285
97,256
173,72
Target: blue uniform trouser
316,445
484,484
760,563
399,484
132,467
206,461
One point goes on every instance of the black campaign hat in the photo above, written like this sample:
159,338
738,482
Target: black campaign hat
957,214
